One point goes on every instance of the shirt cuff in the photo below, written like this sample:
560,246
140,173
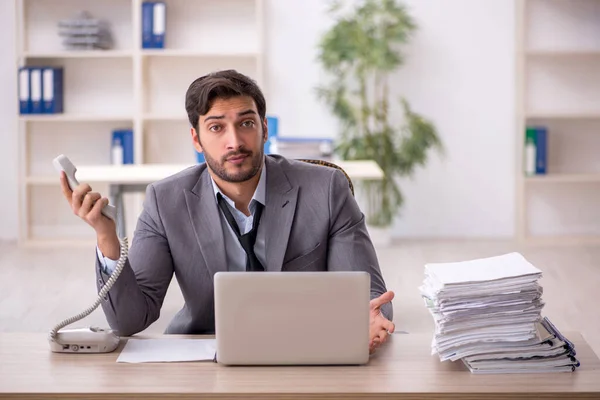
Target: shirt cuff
106,264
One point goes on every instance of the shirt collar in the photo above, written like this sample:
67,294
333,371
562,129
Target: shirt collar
259,193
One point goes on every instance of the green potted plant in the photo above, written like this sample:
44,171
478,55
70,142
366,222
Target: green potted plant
359,53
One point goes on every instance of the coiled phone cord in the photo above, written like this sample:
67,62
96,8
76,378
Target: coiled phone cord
111,281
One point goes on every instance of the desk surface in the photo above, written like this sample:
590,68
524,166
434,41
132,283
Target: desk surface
402,369
147,173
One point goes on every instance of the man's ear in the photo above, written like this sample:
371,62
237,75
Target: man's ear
265,130
196,140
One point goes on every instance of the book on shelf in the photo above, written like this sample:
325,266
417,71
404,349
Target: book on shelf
40,90
153,24
52,90
35,90
122,147
24,85
536,150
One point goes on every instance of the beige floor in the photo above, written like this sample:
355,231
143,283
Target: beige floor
39,288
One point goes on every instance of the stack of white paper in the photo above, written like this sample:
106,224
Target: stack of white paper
487,313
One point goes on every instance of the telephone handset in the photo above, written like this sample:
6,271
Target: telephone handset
89,339
62,163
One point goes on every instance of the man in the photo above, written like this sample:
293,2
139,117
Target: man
241,210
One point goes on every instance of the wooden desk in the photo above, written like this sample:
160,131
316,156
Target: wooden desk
402,369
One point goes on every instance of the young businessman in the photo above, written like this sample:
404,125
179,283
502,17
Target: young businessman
239,211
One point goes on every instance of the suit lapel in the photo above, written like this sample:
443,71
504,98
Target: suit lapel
278,214
203,211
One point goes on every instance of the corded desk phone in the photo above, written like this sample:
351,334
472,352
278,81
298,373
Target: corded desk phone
88,339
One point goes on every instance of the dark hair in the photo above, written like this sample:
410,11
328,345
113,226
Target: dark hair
223,85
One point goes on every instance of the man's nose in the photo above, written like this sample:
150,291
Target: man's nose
234,140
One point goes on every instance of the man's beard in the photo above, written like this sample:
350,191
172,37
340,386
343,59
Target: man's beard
236,177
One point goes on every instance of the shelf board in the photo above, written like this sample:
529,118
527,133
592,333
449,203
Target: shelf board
42,180
166,117
563,53
564,178
195,53
54,243
81,54
75,118
563,115
562,240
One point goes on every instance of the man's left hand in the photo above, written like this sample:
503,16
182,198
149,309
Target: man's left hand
379,326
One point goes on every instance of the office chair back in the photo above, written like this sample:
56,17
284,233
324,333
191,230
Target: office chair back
331,165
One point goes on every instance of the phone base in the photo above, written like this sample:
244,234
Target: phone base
84,340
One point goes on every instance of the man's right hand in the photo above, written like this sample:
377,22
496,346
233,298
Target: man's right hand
88,205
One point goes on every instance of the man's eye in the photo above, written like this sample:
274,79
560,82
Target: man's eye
248,124
214,128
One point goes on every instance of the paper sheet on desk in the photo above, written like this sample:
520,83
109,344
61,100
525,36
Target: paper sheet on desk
167,350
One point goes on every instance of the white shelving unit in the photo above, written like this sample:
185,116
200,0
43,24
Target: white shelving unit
125,87
558,86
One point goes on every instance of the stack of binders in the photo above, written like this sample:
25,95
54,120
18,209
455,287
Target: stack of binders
487,313
153,24
40,90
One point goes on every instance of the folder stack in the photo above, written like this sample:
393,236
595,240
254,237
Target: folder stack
488,314
85,33
40,90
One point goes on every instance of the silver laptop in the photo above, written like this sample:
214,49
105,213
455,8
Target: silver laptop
292,318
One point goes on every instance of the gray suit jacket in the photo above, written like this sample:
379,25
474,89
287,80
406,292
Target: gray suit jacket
313,224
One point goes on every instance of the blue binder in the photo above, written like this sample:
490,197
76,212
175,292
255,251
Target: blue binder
125,137
273,129
36,86
52,90
541,146
24,91
117,137
147,22
159,19
127,146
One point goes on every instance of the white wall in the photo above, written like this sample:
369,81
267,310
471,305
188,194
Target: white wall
459,74
9,221
292,72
